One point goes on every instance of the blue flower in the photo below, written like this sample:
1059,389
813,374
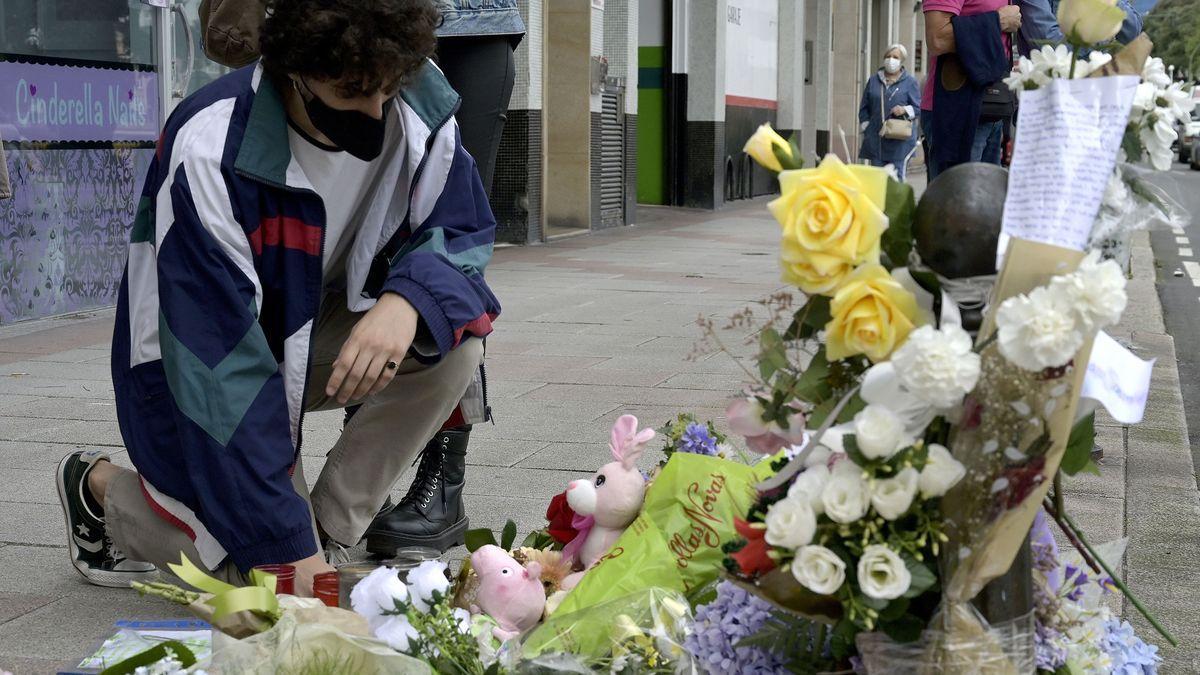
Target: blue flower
1129,654
697,440
735,615
1051,655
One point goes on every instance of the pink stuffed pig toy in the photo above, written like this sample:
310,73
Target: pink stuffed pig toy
611,500
512,595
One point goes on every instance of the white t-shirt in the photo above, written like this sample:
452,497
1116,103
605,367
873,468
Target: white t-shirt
340,179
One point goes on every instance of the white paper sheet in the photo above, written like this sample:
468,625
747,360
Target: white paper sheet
1117,379
1068,135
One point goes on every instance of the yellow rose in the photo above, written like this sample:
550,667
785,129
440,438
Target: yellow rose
872,315
1091,21
832,218
813,273
761,147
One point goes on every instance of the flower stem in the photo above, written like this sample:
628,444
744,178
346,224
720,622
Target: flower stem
1117,580
1074,59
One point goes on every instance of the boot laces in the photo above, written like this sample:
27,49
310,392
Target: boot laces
115,554
429,474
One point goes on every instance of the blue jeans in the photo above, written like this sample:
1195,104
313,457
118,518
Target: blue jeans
987,147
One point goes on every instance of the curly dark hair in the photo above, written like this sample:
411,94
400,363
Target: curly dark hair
366,45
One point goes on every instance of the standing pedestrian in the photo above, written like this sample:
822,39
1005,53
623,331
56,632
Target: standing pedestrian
890,102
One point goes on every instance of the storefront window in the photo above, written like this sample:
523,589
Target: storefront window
112,31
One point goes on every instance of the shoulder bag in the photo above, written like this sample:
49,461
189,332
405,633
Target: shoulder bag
893,128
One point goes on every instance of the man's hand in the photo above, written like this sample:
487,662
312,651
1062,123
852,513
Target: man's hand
898,111
1010,18
307,569
383,335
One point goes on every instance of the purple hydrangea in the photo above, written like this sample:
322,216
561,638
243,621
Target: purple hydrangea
697,441
1129,654
734,616
1051,655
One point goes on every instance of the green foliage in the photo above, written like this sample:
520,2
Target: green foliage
478,538
809,319
843,639
508,536
923,578
789,162
772,355
799,642
153,655
1078,454
1174,26
897,240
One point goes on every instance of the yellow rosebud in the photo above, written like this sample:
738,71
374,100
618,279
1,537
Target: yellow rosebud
872,314
832,218
1091,21
762,144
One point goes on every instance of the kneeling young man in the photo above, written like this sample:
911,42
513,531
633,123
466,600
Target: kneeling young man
311,235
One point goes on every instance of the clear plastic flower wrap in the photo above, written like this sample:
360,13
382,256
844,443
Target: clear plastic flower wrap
1132,203
968,647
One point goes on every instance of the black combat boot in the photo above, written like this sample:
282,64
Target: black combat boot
432,513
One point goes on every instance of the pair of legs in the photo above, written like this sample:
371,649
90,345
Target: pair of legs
359,472
481,69
987,147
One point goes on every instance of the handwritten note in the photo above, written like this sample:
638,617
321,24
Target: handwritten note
1118,380
1068,134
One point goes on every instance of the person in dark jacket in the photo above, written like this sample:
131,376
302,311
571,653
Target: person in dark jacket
311,235
892,93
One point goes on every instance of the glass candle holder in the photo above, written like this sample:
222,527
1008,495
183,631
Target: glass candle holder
285,577
325,588
349,574
409,557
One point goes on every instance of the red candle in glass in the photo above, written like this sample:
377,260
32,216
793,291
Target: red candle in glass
285,577
325,588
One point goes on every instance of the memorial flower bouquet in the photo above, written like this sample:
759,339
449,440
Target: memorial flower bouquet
1160,105
909,459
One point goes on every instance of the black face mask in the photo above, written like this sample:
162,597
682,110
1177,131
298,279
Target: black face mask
358,134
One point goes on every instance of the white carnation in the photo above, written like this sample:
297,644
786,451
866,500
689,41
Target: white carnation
882,574
941,472
376,593
1096,291
790,523
1053,61
428,583
937,366
891,497
819,569
397,632
879,432
809,485
1038,330
846,496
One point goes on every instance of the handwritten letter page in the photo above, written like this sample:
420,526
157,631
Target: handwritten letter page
1118,379
1068,134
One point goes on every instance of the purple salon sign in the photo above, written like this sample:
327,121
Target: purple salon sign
77,103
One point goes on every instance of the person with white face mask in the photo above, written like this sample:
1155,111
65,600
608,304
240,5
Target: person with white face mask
888,113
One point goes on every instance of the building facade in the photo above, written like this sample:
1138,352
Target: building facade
616,103
711,71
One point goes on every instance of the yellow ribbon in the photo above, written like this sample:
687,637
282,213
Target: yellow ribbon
258,597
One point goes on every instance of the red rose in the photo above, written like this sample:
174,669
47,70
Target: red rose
560,514
752,559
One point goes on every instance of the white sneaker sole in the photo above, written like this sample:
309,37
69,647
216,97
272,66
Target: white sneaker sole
106,578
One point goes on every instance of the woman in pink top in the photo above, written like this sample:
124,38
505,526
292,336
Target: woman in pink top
939,35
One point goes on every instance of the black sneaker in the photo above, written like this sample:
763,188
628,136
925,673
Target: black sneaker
92,550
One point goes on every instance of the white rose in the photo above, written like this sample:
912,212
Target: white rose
1038,330
397,632
1097,291
846,496
809,485
879,432
818,457
376,593
424,581
819,570
790,523
941,472
1090,21
882,574
891,497
937,366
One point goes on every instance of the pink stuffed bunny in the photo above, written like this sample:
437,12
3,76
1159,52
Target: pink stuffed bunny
611,500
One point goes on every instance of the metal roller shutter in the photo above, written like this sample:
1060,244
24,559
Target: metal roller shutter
612,157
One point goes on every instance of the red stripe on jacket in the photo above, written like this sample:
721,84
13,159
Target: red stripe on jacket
291,233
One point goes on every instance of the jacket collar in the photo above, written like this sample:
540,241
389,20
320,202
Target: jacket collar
265,154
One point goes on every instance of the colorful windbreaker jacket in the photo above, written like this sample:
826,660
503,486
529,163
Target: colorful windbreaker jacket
216,311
